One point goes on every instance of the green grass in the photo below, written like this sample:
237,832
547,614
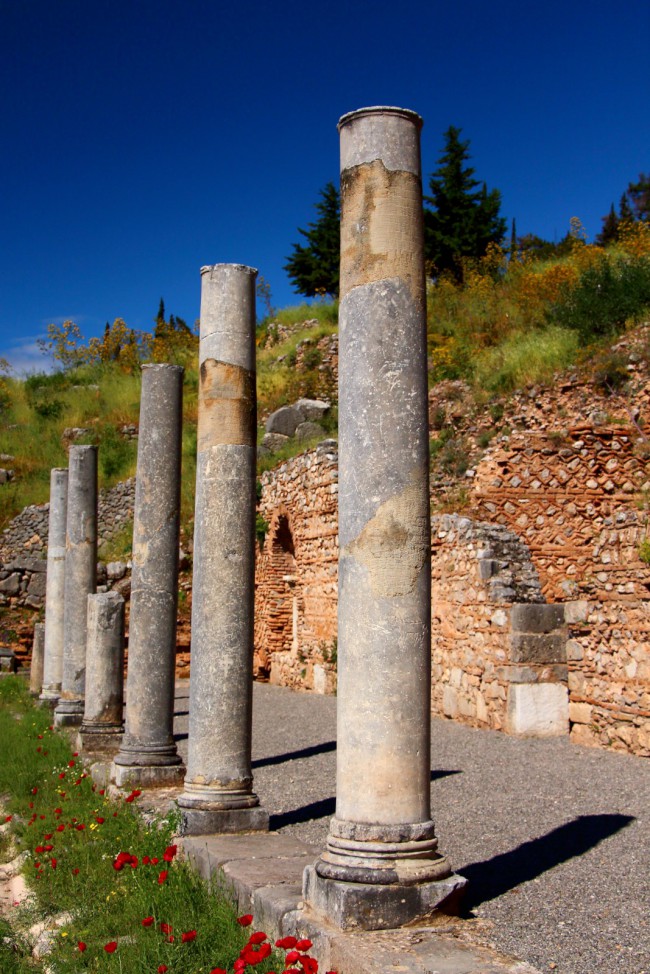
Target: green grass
73,834
524,359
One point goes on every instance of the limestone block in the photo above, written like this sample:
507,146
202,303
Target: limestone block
284,420
449,702
580,713
11,585
538,709
312,409
531,647
308,430
582,734
536,617
574,650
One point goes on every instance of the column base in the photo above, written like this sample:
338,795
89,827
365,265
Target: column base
69,713
147,776
374,906
49,699
218,821
99,741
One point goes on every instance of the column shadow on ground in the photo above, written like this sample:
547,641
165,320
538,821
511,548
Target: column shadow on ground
305,752
324,808
494,877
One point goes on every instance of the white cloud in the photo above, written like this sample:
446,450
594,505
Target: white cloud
25,356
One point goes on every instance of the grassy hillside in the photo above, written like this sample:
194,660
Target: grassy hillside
511,324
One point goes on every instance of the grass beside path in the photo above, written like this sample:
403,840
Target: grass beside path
124,901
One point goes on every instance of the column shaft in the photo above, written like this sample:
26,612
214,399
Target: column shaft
218,795
101,728
55,587
80,578
36,668
382,836
148,753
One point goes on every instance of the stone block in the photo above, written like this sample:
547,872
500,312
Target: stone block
200,821
536,617
576,612
538,709
36,587
308,431
531,647
360,906
312,409
449,702
580,713
284,420
574,650
152,776
11,585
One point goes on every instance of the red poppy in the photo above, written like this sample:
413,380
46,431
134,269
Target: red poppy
37,865
170,938
60,828
170,852
147,921
62,775
8,818
146,860
47,837
239,965
99,820
257,938
166,928
286,943
308,964
81,827
252,956
245,920
41,816
31,805
81,946
111,948
40,737
162,877
186,937
304,944
102,791
34,791
292,956
75,871
163,969
48,847
53,863
155,860
71,764
218,970
39,749
75,754
40,848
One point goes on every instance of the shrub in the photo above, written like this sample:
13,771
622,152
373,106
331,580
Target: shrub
607,294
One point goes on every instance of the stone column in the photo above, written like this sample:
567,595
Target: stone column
101,729
148,753
80,579
54,587
36,668
381,867
218,794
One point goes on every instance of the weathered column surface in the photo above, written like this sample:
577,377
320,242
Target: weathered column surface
218,794
381,867
80,579
101,729
36,667
148,753
55,587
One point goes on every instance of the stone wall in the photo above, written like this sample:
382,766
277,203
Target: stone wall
23,544
576,496
296,572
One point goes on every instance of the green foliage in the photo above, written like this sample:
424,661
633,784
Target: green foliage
638,195
608,293
261,528
464,218
644,551
523,359
314,269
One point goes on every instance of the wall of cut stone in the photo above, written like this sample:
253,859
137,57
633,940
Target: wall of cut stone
296,572
576,497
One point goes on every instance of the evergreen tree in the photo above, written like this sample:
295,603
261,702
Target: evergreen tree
639,196
609,231
159,331
465,215
625,211
313,268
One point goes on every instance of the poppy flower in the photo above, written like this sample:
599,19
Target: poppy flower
47,837
99,820
218,970
81,946
245,920
166,928
75,871
37,865
40,737
34,791
48,847
62,775
155,860
186,937
257,938
309,964
170,852
145,859
111,947
40,848
8,818
41,816
71,764
162,877
286,943
170,938
292,956
31,805
53,863
147,921
163,969
39,749
304,945
102,791
75,754
60,828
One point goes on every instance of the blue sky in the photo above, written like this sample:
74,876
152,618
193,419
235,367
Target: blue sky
142,139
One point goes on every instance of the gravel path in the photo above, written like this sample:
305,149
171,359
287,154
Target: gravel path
554,838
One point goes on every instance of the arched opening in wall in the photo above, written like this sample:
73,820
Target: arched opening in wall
279,626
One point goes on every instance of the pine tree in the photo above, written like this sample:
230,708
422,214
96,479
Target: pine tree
639,196
465,215
609,231
625,210
314,269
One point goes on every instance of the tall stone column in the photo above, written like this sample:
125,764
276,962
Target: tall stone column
218,794
381,867
148,753
55,587
101,729
80,579
36,668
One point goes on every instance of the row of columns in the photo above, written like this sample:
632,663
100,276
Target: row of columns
381,865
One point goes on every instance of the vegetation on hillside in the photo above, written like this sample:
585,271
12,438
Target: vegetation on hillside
513,320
